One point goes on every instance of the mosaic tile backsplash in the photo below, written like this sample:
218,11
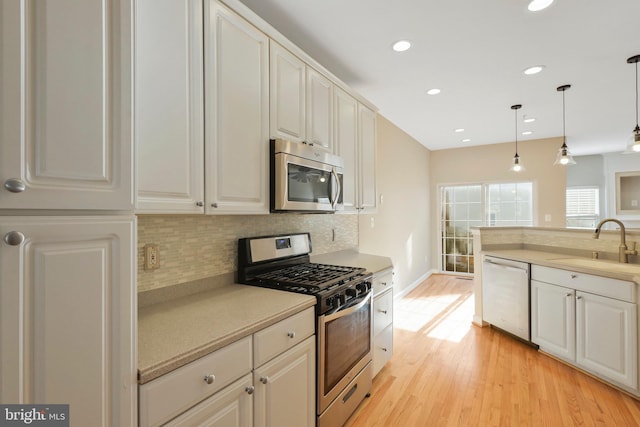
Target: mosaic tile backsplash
194,247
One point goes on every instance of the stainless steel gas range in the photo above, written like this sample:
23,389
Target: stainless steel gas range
344,315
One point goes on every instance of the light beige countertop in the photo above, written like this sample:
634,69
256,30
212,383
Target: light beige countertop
174,333
598,267
353,258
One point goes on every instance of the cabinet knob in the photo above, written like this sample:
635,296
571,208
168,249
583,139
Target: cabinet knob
383,283
14,238
209,379
383,349
199,204
250,389
569,294
573,276
214,205
15,185
291,334
578,297
383,311
264,380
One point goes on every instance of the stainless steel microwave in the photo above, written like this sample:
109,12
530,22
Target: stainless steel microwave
304,178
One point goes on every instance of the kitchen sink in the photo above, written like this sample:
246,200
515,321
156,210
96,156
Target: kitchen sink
598,264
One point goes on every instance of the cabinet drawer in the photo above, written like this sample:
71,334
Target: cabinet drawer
382,282
230,406
280,337
382,349
605,286
173,393
382,311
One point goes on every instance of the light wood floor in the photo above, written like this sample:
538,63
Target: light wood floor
447,372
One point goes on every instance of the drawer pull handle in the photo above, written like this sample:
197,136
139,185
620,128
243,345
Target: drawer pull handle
250,389
199,204
291,335
578,297
209,379
264,380
573,276
383,311
383,349
569,295
383,283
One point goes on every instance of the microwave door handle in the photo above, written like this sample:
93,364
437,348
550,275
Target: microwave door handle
338,189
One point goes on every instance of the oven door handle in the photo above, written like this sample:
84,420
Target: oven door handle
348,309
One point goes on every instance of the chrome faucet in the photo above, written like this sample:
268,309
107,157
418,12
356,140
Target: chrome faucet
623,251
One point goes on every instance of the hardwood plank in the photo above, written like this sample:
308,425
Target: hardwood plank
445,371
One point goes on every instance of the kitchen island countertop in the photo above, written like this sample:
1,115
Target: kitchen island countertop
174,333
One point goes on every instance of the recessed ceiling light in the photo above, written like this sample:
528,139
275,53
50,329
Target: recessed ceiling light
527,132
533,70
529,119
466,140
537,5
459,130
433,91
401,46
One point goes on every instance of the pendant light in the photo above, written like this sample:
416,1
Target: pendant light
635,145
516,166
564,157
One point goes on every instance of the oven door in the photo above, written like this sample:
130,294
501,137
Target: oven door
344,348
300,184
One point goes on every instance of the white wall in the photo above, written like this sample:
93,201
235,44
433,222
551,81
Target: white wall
401,225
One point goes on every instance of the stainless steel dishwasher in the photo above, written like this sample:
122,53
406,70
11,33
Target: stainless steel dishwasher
505,295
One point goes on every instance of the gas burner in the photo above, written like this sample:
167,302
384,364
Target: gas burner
309,275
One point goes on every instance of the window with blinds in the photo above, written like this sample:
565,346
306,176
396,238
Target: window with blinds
583,207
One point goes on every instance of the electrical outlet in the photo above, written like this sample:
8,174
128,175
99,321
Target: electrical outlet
151,257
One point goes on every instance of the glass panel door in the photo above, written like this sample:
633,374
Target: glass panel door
461,210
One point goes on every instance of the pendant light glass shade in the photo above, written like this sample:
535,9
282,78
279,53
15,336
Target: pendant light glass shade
564,157
516,166
635,144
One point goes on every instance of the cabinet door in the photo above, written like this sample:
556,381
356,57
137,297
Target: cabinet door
382,349
230,407
65,109
68,317
286,388
367,153
553,319
319,110
237,120
287,99
169,106
346,141
606,338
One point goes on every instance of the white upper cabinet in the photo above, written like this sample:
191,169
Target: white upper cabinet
367,156
68,319
319,110
190,60
65,109
169,106
287,94
346,141
237,114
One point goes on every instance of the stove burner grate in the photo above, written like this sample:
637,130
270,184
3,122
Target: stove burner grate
310,275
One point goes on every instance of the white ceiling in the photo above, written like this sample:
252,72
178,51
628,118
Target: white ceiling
475,52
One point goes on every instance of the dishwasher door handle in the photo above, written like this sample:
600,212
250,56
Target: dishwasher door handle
507,267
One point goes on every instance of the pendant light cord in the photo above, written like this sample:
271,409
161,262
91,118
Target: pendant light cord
516,127
637,116
564,133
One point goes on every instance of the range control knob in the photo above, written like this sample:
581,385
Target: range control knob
352,292
341,299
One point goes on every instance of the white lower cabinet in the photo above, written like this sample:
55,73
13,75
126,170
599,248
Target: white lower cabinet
382,319
265,379
589,321
68,316
285,388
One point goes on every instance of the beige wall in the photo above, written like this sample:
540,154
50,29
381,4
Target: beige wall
490,163
401,225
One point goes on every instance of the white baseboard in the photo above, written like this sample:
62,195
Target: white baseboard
414,285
